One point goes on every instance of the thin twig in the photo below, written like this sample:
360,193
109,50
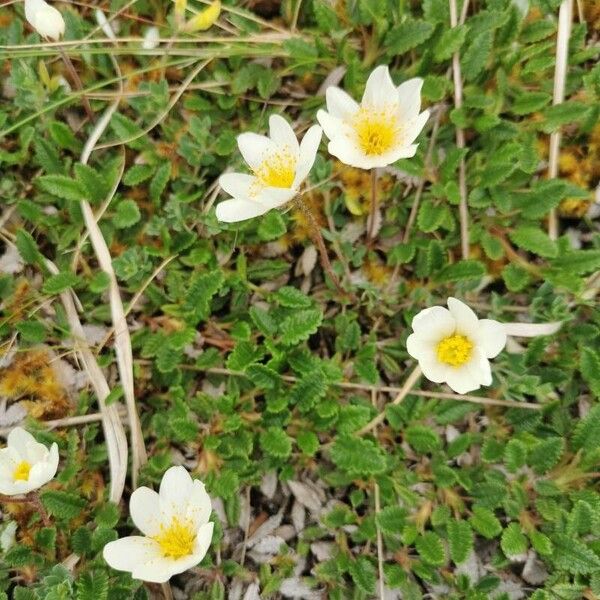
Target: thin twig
320,243
483,400
404,391
565,16
167,591
37,502
373,211
460,143
69,421
77,81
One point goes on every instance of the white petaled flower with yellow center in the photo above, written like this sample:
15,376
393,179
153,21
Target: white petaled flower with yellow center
45,19
453,346
279,165
381,129
174,521
25,464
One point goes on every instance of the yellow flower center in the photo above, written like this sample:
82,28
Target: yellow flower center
177,539
377,130
278,170
455,350
21,473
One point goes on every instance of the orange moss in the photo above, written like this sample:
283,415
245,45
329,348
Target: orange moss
31,379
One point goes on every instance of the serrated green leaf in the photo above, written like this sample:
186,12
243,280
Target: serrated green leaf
484,521
60,282
460,540
300,326
358,456
276,442
431,549
534,240
408,35
62,186
513,542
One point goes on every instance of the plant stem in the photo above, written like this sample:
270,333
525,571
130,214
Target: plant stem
31,498
460,143
77,81
320,243
404,391
37,502
166,590
373,212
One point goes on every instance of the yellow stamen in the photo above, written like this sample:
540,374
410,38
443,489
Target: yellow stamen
455,350
21,473
278,170
377,130
177,539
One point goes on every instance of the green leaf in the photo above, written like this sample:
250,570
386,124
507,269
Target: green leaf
422,438
578,261
461,271
449,42
513,542
391,520
515,455
573,556
358,456
127,214
534,240
271,226
312,386
363,574
589,365
308,442
516,278
431,216
587,431
159,181
300,326
244,354
28,248
408,35
529,102
62,187
63,505
292,297
460,540
200,293
62,135
431,549
276,442
138,174
91,181
546,455
92,585
476,55
541,543
60,282
484,521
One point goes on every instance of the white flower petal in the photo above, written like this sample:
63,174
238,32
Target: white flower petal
462,379
174,491
380,89
491,337
199,505
162,568
414,127
467,322
144,508
339,103
434,323
19,439
151,38
383,160
308,154
409,98
281,132
129,553
333,127
45,19
255,148
203,540
349,153
434,370
272,197
238,185
236,209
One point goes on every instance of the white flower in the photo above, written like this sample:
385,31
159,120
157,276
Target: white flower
381,129
45,19
25,464
453,346
151,38
175,525
279,163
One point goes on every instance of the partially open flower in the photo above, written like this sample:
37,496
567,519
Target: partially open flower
174,521
45,19
381,129
25,464
453,346
279,163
